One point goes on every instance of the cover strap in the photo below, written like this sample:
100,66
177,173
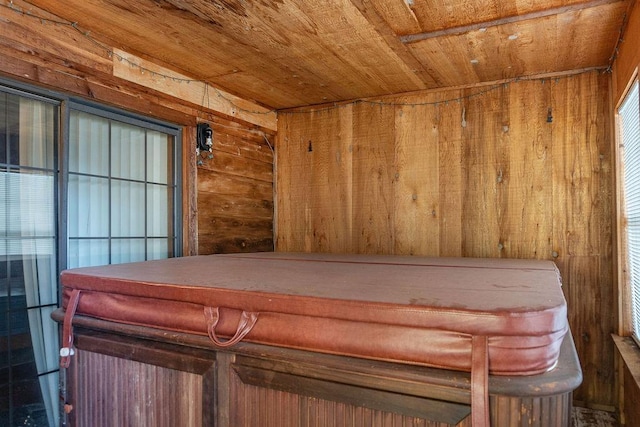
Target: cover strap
66,349
479,381
246,323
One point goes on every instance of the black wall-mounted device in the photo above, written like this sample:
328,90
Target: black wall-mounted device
205,138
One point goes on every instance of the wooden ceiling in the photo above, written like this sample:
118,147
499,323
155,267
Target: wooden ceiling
288,53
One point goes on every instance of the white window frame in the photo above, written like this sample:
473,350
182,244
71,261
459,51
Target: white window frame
629,209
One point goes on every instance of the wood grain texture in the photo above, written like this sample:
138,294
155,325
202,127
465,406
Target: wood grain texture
272,398
628,355
416,138
306,186
135,393
625,73
582,168
146,73
431,15
501,179
235,191
291,53
522,48
506,16
258,46
69,58
261,385
628,57
148,382
189,199
230,197
373,178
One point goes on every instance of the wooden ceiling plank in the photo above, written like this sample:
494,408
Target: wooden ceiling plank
291,53
58,40
284,36
580,39
437,15
173,39
593,34
384,67
397,14
310,53
412,38
382,27
301,33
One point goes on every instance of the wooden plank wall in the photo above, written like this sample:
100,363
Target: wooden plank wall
476,172
625,72
228,198
235,191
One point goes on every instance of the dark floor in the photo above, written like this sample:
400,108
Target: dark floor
587,417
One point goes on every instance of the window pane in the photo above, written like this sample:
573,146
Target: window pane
159,248
88,144
88,210
37,133
30,203
12,147
158,219
4,128
87,252
127,202
159,150
39,272
127,151
127,209
127,250
28,259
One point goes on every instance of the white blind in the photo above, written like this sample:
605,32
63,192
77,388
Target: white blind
120,192
629,114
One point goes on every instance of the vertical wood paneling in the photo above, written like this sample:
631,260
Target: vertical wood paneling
630,390
373,176
189,199
480,210
486,176
129,393
451,175
526,181
254,406
330,173
533,412
582,224
261,406
293,180
416,163
317,181
625,68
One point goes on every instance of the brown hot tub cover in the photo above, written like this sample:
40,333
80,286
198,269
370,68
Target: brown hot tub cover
503,316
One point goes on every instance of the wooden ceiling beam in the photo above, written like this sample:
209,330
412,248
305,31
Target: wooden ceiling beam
153,76
412,38
403,52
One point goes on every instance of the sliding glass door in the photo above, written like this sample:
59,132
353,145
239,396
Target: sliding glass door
28,260
100,189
